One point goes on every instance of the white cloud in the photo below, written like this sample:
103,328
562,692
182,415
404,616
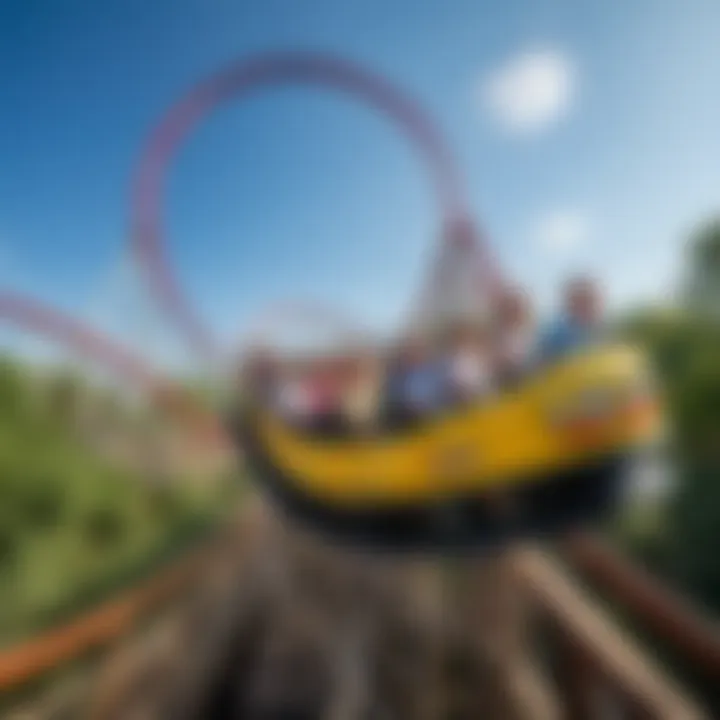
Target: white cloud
562,231
531,91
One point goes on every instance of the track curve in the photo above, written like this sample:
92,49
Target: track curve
31,315
148,236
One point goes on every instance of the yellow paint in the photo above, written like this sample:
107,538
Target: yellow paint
508,439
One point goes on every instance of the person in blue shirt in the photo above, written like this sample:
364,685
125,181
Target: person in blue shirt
580,323
413,384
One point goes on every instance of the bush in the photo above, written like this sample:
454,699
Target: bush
42,502
74,528
164,504
686,353
104,526
9,544
12,390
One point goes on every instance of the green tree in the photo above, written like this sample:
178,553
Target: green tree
685,347
65,395
75,522
12,387
702,284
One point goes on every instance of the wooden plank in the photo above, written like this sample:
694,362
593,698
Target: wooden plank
667,615
578,682
613,653
530,696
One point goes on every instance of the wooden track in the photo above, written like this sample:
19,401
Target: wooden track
31,659
599,646
668,615
296,581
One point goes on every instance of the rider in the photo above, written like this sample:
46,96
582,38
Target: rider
361,396
294,397
468,365
325,385
581,320
413,385
515,336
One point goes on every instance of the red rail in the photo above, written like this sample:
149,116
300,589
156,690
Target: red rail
29,660
669,616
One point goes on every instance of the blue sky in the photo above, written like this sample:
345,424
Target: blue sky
303,193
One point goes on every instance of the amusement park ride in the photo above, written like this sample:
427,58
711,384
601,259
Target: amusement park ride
537,460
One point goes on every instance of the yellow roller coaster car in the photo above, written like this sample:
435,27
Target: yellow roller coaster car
540,458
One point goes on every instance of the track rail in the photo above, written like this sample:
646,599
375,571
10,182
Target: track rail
598,661
148,236
669,616
99,627
32,316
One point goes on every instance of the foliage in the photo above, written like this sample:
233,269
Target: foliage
684,345
74,524
702,285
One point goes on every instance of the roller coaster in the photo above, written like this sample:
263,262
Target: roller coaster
325,473
385,491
